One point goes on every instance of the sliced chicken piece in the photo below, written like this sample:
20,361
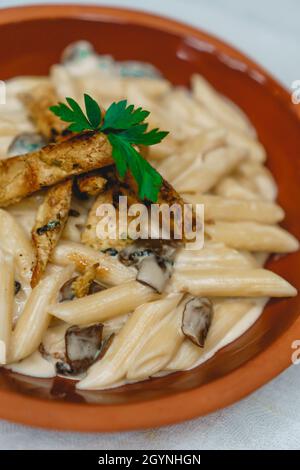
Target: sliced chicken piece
37,102
89,235
82,284
50,221
25,174
91,184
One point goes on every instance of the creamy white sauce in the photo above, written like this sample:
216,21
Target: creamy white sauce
34,365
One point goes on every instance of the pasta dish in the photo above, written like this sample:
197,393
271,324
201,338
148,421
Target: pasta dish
108,312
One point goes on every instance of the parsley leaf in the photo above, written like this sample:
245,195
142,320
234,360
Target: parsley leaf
75,115
138,135
125,127
127,158
121,116
93,111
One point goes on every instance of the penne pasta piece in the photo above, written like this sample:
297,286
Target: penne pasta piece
17,85
204,174
161,345
258,178
234,210
110,272
252,236
164,149
233,283
103,305
35,317
254,148
232,317
212,256
231,188
25,174
50,221
7,288
25,211
195,148
226,112
14,240
111,369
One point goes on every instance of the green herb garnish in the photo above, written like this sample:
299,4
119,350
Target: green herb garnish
125,127
49,227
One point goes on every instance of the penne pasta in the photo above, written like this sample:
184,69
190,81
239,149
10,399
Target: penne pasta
233,283
103,305
162,344
231,188
35,318
221,108
204,172
234,210
212,256
7,287
110,271
253,236
14,240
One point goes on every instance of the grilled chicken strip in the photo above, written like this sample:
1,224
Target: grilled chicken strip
37,102
50,221
25,174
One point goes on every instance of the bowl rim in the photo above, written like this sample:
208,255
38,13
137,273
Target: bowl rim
209,397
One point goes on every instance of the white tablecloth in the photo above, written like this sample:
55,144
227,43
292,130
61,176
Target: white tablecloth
268,30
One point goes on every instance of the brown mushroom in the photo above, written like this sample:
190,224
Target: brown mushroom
82,347
196,319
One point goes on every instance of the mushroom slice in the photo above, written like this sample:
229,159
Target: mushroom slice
66,292
81,285
153,272
50,221
82,346
25,142
196,319
154,264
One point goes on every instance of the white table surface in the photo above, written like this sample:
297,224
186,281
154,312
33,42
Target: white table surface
269,31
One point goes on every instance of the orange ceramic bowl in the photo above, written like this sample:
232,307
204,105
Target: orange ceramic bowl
33,38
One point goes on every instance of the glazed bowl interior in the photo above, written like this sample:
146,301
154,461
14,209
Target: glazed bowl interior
35,44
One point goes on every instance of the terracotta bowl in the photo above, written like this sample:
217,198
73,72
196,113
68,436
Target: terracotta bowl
34,38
